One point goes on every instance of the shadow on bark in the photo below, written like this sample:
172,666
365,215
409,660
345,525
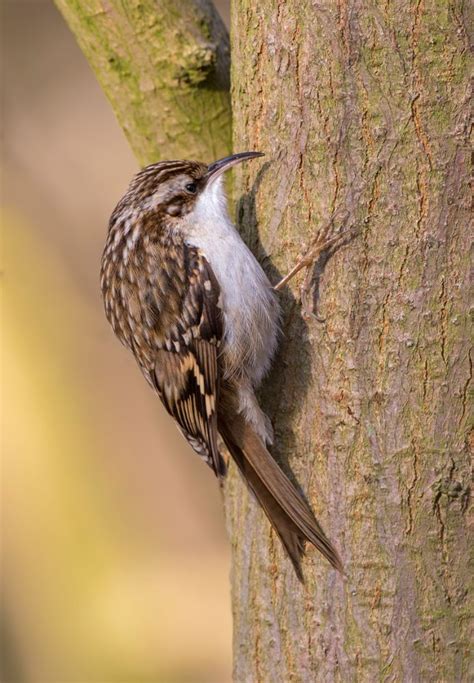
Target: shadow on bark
294,341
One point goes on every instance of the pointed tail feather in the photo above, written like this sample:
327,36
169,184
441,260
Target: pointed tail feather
288,512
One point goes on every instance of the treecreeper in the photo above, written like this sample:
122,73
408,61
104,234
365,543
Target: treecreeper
184,293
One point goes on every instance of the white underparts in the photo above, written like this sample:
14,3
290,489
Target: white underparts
249,304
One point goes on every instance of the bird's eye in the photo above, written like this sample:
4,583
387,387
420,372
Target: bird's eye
191,187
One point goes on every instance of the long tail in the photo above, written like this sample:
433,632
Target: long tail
288,512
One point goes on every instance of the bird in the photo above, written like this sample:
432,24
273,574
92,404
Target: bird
184,293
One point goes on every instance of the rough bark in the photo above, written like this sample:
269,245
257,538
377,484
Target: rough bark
363,111
164,65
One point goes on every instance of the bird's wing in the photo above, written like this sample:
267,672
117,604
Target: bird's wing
186,372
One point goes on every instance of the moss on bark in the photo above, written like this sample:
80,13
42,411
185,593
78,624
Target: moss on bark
164,67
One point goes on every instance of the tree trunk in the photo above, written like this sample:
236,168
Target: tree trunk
362,110
164,67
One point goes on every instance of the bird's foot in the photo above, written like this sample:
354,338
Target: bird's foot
322,242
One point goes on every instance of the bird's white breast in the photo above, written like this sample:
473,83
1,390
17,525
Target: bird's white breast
249,304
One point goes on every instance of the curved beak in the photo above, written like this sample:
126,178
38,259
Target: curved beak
215,169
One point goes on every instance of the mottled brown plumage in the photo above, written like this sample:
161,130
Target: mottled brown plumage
186,296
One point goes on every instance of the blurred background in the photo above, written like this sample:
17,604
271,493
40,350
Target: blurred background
115,561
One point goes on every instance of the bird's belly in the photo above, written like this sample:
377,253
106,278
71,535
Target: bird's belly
249,305
250,320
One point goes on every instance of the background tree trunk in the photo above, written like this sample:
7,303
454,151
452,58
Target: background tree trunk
362,110
164,67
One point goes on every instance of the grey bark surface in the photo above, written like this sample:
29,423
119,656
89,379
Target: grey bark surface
363,112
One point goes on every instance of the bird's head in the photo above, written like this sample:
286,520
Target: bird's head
174,188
